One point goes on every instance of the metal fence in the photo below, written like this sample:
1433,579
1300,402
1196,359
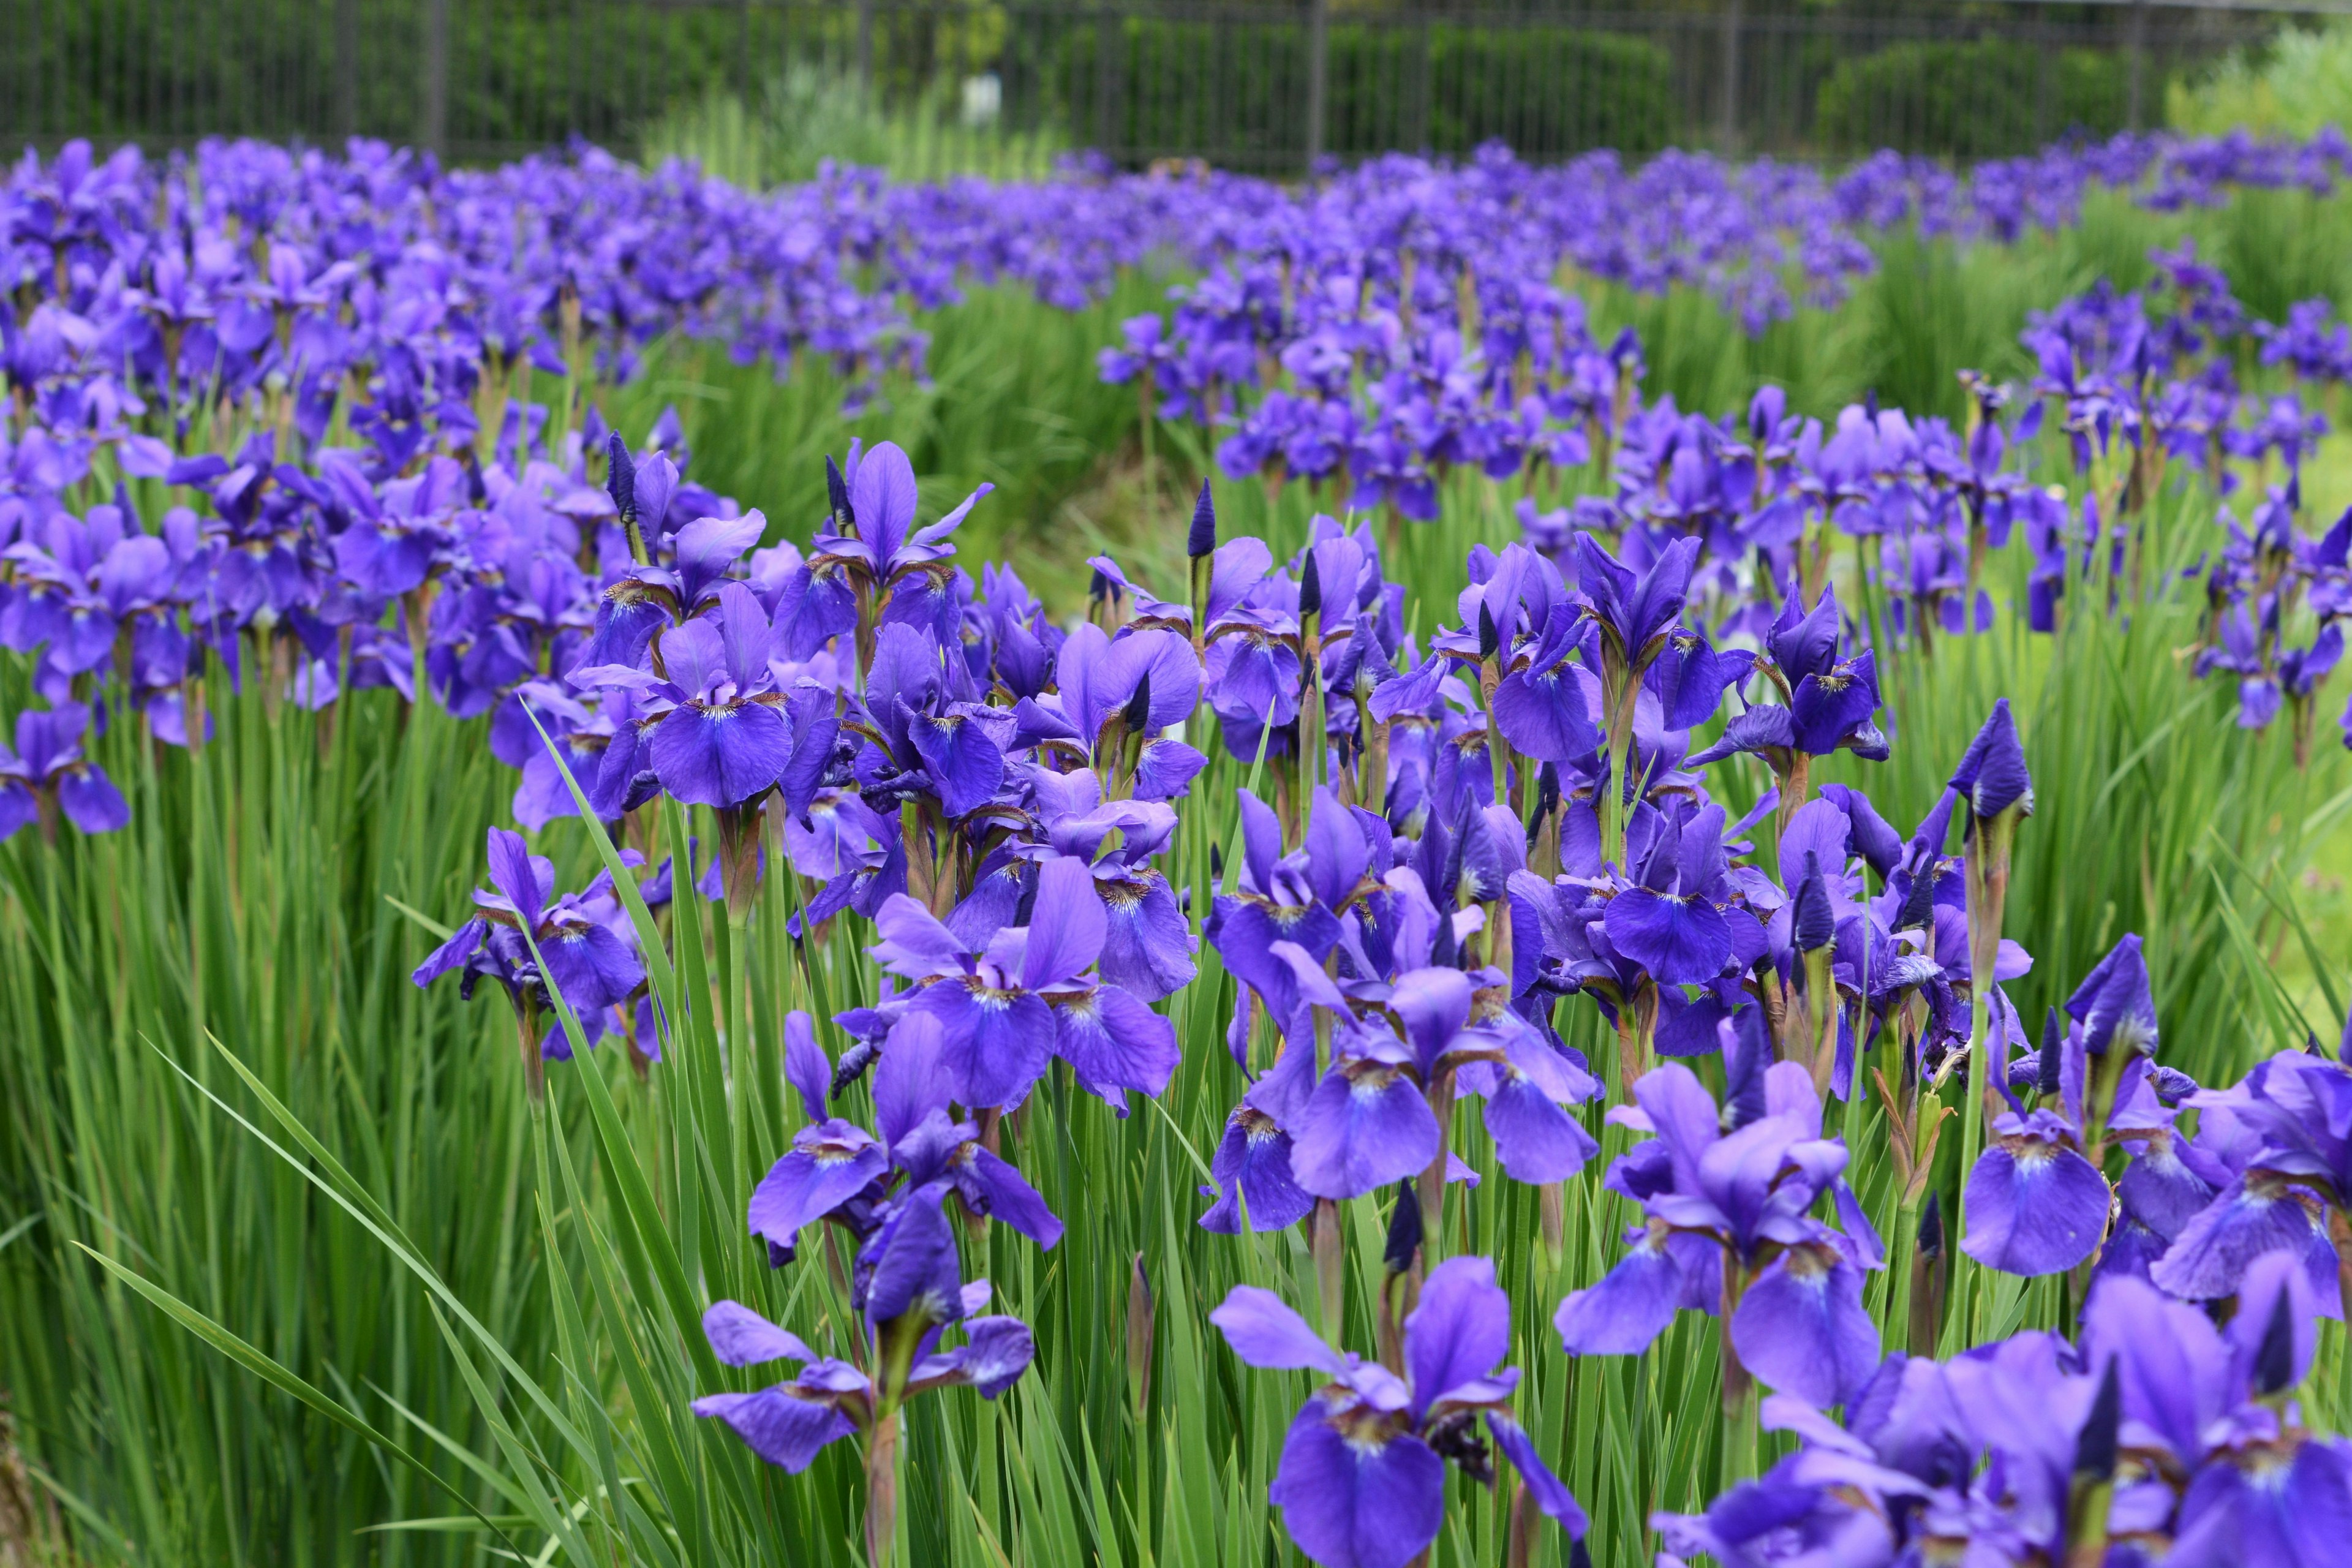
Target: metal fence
1264,87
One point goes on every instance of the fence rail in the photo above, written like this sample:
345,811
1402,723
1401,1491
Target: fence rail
1265,87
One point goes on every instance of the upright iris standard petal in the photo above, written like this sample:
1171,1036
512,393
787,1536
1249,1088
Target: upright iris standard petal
1066,925
1460,1332
915,1273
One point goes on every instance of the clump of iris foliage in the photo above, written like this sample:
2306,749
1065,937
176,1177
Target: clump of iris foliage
1711,978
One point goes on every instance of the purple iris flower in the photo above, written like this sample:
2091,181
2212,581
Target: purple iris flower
1826,701
871,549
837,1170
1005,1011
716,732
1728,1228
1281,898
47,774
1148,680
584,942
2205,1414
2162,1437
2285,1159
911,1292
1148,948
1361,1483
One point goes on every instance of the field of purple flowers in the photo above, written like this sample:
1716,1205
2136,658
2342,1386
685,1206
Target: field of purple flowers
1728,965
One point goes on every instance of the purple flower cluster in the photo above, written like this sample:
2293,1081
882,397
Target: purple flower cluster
1404,319
1362,1479
2157,1438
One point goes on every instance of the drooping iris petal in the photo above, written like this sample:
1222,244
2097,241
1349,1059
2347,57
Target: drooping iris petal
786,1430
1147,947
589,966
1252,1166
1007,1195
828,1164
1680,941
993,1043
1366,1125
1802,1327
2033,1207
1535,1140
996,1351
964,763
1358,1498
1114,1042
1631,1307
1549,1492
451,954
1166,769
1545,716
2161,1192
721,755
90,800
2260,1211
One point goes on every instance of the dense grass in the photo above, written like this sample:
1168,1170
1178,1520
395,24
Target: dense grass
380,1168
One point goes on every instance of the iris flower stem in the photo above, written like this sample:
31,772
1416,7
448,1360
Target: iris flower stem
1739,1387
1614,808
1895,1312
1330,1263
1988,869
1432,1176
2340,1234
882,1488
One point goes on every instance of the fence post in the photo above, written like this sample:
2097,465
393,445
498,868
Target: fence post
2139,46
1733,20
865,49
1421,89
1106,33
1319,18
347,68
433,131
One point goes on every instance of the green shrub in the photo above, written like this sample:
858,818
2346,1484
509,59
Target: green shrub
2294,85
1988,98
1234,92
